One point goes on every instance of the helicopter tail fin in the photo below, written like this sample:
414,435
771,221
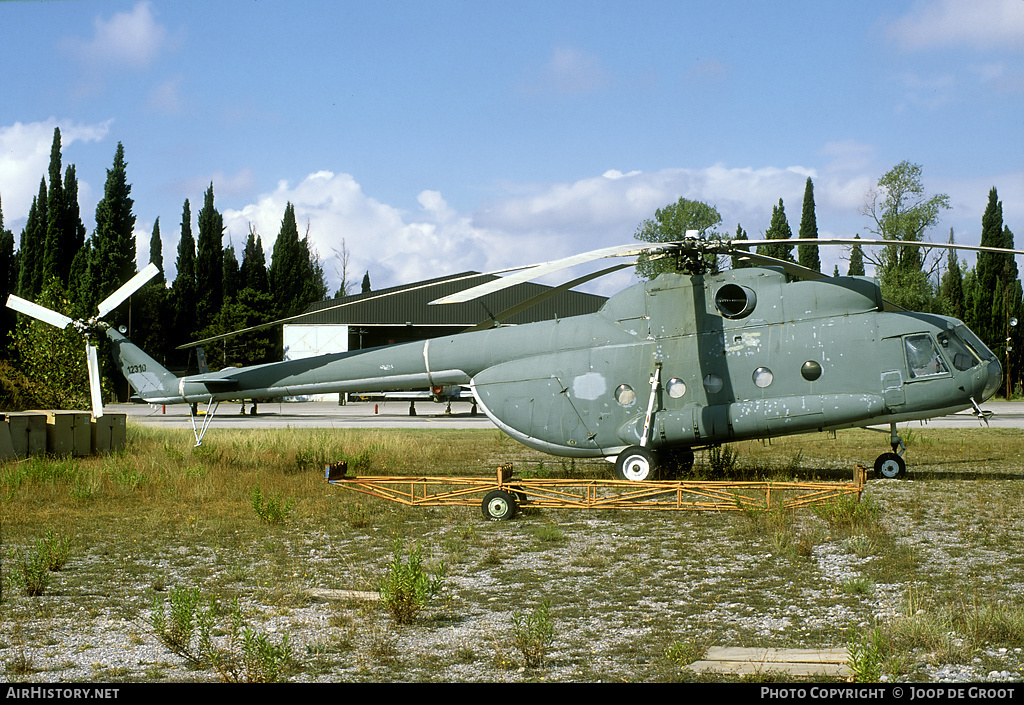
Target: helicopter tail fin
148,378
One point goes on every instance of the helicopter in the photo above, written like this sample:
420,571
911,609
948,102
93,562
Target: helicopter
689,360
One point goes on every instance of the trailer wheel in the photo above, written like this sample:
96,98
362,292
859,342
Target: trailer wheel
499,505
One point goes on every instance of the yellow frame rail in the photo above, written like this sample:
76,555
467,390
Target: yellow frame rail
421,491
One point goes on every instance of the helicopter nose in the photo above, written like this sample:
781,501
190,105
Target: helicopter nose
993,380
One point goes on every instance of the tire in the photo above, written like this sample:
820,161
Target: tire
499,505
636,464
891,466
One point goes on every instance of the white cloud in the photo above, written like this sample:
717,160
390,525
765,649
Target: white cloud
25,158
569,71
166,97
981,24
538,222
132,39
394,247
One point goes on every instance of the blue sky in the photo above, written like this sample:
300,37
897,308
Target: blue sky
438,136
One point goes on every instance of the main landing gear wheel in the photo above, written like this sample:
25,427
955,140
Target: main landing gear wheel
636,464
891,465
499,505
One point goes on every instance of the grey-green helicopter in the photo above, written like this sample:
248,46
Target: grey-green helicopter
682,362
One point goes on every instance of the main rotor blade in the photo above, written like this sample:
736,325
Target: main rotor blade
127,289
791,268
538,270
38,312
343,304
543,296
95,390
744,244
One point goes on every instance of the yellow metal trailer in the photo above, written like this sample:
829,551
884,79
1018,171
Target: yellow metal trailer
503,495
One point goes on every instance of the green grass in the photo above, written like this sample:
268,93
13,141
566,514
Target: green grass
933,562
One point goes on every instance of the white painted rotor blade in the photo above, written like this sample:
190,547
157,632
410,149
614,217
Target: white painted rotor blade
127,289
38,312
539,270
95,390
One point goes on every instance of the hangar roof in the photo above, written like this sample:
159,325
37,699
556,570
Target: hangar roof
402,305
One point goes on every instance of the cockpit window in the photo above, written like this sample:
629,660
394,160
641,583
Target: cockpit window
977,347
957,351
923,357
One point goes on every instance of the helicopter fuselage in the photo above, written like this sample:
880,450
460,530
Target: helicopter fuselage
679,361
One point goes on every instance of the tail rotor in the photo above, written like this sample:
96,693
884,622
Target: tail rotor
88,328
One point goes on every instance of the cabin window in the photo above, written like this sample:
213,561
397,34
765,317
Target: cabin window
763,377
676,387
810,370
625,395
923,357
713,383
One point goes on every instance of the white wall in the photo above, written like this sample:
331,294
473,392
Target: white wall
302,341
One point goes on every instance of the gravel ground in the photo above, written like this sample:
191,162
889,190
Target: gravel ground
623,586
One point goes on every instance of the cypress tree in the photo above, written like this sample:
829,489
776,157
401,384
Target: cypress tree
952,284
808,254
33,240
778,230
253,270
231,278
184,287
8,281
286,267
738,263
114,238
209,268
856,260
56,254
985,320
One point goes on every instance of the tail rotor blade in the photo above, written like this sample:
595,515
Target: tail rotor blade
95,391
39,312
127,289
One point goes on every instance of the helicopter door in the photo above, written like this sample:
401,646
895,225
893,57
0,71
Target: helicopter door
894,372
892,388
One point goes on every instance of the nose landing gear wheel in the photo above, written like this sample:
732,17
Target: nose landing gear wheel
499,505
891,465
636,464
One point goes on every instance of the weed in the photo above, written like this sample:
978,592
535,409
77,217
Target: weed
533,634
683,653
857,586
549,533
241,655
407,587
850,515
867,656
31,569
722,461
271,510
58,549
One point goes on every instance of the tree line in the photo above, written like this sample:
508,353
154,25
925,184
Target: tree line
987,296
60,266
